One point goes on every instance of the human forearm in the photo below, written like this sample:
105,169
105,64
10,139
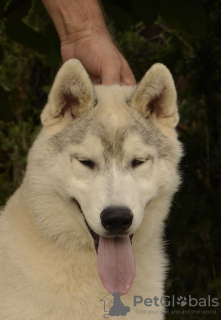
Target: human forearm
74,19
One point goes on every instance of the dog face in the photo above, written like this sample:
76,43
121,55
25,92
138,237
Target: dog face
111,149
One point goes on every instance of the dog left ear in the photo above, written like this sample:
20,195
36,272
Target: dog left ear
71,94
156,99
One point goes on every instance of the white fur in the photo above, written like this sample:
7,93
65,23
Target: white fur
48,268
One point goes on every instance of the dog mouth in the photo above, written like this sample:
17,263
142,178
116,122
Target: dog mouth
96,236
115,260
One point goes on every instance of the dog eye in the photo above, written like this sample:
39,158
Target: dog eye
137,162
87,163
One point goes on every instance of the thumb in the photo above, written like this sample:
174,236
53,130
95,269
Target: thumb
111,74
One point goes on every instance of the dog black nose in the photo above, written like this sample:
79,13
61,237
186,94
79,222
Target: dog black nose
116,219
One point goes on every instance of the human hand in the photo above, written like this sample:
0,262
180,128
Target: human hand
83,34
100,57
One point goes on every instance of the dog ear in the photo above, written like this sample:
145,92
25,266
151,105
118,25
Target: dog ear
155,97
71,94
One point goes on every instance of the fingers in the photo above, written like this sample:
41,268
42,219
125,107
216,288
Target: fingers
111,73
127,77
118,73
102,60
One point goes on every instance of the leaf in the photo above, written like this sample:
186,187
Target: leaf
21,33
188,16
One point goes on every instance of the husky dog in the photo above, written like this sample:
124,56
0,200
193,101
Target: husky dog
91,208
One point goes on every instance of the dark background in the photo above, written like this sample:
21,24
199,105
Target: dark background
185,35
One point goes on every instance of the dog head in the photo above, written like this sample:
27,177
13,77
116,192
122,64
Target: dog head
110,149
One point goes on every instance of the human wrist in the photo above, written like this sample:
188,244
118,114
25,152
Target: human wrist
79,20
73,33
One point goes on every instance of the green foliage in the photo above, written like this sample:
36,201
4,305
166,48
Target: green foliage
15,140
188,16
184,35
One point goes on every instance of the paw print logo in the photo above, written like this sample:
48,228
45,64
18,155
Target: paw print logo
181,301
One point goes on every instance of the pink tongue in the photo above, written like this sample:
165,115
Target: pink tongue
116,265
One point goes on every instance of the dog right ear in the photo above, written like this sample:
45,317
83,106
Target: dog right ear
156,99
71,94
